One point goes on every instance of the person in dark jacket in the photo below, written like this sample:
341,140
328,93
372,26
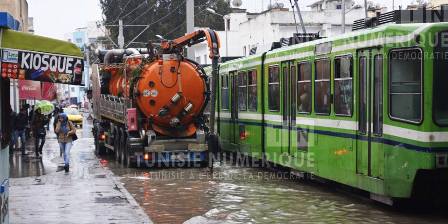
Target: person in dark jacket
12,126
38,128
65,131
57,112
21,123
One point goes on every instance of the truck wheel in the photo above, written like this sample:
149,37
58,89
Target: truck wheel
99,150
213,149
130,163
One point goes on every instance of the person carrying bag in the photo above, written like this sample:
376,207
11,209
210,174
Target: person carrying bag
66,132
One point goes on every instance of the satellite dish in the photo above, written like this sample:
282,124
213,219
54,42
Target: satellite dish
237,3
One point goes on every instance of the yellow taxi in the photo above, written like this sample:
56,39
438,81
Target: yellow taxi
74,116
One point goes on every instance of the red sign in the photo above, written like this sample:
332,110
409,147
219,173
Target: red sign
48,91
29,90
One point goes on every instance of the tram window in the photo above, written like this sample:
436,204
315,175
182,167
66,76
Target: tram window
378,95
242,91
274,89
225,92
322,87
293,92
343,86
304,88
440,80
252,89
406,85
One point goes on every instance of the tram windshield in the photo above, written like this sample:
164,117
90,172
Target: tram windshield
441,79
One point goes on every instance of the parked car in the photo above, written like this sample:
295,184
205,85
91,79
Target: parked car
74,116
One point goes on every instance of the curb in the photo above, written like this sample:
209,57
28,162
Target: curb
144,218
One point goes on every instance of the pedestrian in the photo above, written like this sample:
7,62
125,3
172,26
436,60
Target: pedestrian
57,112
12,126
21,124
31,113
38,128
48,122
30,118
65,131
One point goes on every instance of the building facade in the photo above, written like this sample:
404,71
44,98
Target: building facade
18,9
437,3
255,32
85,38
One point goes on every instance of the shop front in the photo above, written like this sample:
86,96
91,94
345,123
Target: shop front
25,56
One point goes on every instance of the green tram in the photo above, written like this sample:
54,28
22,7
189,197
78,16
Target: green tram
366,109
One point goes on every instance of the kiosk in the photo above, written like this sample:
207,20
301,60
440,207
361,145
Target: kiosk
29,57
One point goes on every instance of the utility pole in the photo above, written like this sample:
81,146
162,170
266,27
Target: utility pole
343,16
190,25
365,8
120,34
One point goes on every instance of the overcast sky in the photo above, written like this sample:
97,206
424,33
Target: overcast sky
55,18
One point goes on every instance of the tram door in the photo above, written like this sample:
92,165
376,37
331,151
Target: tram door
370,154
234,135
289,96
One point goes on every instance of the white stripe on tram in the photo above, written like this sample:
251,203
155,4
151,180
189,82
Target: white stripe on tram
382,40
273,118
415,135
249,116
350,125
289,57
224,114
328,123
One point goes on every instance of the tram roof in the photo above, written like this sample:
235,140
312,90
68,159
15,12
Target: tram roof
386,30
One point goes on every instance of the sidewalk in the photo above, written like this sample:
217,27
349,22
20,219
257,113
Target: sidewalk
41,192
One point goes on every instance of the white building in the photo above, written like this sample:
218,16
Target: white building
82,37
437,3
248,31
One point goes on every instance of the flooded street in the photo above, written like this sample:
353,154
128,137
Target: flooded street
251,195
228,194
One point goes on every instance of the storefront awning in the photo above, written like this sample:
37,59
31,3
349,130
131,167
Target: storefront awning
31,57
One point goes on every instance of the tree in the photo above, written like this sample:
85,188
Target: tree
164,17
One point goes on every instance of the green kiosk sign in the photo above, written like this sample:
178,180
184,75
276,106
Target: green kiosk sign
31,57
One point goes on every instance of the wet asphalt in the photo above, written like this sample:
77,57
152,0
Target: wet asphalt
92,193
41,192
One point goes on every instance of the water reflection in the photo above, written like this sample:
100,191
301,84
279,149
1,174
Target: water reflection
251,195
26,165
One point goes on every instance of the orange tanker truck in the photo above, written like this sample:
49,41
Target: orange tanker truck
149,105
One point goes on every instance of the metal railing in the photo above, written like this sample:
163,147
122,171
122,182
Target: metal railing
113,107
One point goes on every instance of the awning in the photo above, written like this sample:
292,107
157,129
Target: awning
31,57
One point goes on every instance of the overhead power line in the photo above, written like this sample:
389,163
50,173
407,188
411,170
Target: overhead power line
199,13
149,25
144,13
121,11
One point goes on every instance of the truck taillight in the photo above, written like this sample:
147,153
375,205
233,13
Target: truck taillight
147,156
102,137
132,119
